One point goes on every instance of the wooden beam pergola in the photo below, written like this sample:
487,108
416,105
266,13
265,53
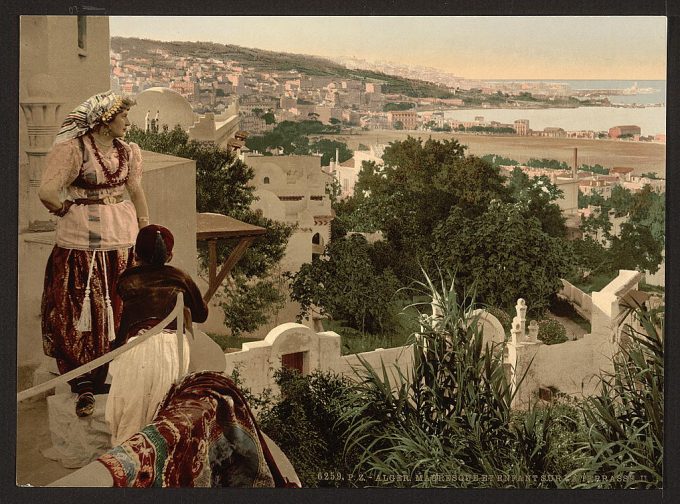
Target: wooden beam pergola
211,227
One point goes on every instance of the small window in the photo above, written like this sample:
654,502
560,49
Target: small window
82,35
293,361
266,180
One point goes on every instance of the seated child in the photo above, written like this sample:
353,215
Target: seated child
143,375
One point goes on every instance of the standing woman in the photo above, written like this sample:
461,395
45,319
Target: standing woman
87,172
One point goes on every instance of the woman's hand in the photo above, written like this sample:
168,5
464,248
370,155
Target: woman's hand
63,210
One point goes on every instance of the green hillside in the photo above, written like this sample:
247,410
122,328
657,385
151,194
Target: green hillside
263,60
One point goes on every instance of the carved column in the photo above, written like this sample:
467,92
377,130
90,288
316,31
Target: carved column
43,118
515,332
521,309
533,331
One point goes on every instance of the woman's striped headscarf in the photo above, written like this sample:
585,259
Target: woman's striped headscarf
97,108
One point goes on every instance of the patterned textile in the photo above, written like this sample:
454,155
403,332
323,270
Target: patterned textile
62,300
96,108
204,435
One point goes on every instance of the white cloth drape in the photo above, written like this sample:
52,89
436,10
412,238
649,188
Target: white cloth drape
140,378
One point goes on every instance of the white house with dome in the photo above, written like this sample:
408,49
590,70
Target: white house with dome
174,109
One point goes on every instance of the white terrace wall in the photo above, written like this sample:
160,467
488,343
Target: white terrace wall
582,302
608,313
258,360
573,367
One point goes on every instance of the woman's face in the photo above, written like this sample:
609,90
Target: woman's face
119,124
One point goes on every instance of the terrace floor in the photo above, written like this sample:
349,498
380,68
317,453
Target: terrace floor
33,436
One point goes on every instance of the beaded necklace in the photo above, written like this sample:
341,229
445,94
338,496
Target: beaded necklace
112,177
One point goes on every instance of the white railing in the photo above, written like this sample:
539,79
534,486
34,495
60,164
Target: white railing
177,314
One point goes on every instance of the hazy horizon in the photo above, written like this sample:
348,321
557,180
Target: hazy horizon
473,47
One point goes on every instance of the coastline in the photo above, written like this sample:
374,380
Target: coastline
445,108
641,156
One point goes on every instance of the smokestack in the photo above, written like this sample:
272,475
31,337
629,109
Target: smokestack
575,171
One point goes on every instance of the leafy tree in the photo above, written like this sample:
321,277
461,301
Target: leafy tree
648,209
293,137
398,125
504,254
355,213
597,222
590,257
641,241
636,248
223,186
594,198
437,206
269,118
552,164
346,285
621,200
327,149
538,195
596,168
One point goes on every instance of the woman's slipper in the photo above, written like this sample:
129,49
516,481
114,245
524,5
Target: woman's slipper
85,404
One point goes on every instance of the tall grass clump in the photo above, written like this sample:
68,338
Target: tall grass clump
624,448
447,422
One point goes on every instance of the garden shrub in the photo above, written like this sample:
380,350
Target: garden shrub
551,332
303,420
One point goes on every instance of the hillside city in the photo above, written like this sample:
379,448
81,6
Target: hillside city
268,96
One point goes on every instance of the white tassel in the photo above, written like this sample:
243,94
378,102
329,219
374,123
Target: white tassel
109,320
110,325
85,320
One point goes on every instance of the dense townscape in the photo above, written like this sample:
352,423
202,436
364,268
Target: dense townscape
359,95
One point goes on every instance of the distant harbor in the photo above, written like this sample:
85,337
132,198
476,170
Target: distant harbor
624,92
652,120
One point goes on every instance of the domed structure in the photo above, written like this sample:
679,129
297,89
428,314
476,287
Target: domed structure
269,174
172,107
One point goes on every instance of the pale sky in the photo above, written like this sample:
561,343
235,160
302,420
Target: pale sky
479,47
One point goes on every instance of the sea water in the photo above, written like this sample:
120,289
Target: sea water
651,119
